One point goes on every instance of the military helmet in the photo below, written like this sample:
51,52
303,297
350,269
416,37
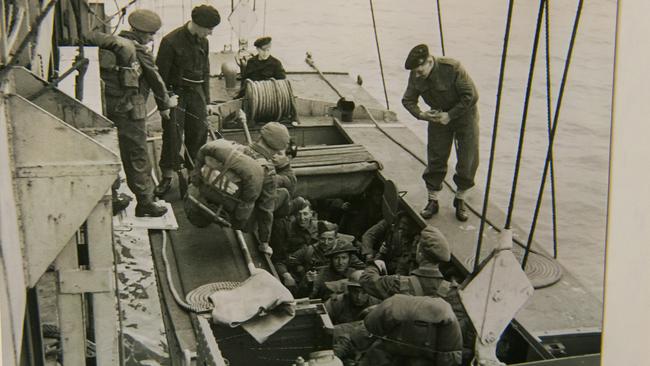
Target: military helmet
145,20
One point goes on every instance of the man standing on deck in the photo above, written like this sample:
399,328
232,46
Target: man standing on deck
183,60
446,87
128,72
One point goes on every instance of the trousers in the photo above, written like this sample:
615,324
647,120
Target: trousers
188,119
440,139
132,139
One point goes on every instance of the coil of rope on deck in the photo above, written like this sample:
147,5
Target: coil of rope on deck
269,100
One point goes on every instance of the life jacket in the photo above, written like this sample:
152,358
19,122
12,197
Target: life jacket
226,176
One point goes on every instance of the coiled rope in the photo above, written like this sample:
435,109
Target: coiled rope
198,298
269,100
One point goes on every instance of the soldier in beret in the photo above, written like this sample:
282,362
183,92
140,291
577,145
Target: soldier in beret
184,65
447,89
128,71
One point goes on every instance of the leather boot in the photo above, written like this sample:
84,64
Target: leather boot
163,187
149,208
430,209
461,210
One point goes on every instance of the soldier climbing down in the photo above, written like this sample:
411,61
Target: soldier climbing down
128,72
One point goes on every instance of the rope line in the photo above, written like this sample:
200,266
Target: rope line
381,65
442,38
549,115
556,117
524,118
486,197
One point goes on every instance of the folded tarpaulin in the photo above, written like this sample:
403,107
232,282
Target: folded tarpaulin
261,304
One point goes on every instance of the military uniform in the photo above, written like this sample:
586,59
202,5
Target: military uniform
448,88
129,72
265,204
414,330
426,280
184,65
382,241
341,309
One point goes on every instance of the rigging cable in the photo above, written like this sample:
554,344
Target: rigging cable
442,38
556,117
524,118
381,65
486,196
549,112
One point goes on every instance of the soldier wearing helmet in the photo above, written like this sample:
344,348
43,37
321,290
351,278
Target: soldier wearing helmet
352,303
128,70
426,280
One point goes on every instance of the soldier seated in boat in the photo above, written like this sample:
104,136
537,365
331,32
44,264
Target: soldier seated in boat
352,304
427,280
413,330
394,243
342,262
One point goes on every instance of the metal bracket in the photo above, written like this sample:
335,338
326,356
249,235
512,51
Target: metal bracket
83,281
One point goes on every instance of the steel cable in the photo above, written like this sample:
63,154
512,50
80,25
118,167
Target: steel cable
549,152
549,115
381,65
524,118
486,197
442,38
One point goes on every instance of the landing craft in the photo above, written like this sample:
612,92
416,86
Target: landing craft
60,245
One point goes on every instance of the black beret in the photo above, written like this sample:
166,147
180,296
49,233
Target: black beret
261,42
206,16
417,56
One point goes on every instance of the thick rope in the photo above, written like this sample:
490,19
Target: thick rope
549,152
269,100
524,118
442,38
549,115
486,196
381,65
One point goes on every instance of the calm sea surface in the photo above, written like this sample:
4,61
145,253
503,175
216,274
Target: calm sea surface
339,34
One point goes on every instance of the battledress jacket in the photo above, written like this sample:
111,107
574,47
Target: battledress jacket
182,55
448,88
128,53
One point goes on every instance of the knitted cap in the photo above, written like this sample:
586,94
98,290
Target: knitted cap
434,245
206,16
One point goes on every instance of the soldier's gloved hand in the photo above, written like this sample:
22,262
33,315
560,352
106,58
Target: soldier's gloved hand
265,248
165,114
173,101
311,276
381,266
287,280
